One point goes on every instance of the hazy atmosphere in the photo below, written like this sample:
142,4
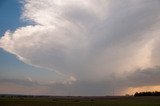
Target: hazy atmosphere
79,47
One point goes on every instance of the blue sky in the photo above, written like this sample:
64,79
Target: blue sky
11,67
84,47
10,19
10,15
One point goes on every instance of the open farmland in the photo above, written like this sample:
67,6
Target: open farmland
78,101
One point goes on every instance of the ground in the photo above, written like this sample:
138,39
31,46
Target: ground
78,101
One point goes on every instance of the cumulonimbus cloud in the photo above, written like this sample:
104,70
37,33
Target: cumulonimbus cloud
87,40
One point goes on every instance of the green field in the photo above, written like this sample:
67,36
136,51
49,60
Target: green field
80,101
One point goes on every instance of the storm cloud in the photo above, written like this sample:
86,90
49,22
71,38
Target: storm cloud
88,42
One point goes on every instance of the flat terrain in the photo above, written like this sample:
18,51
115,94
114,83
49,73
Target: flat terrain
78,101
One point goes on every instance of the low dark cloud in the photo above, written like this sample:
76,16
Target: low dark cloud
144,77
109,86
25,83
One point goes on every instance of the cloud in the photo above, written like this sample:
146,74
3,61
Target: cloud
21,86
29,79
25,83
140,78
155,51
144,77
87,41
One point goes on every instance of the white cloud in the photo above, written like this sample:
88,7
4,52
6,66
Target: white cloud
30,79
86,40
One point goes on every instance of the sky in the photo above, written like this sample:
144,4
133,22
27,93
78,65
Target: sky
79,48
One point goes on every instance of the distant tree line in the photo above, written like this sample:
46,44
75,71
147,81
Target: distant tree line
155,93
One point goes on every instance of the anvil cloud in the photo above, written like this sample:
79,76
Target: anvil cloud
86,42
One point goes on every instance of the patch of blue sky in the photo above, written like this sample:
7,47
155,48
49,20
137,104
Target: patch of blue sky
10,66
10,15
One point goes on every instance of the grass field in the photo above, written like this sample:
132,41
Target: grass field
80,101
